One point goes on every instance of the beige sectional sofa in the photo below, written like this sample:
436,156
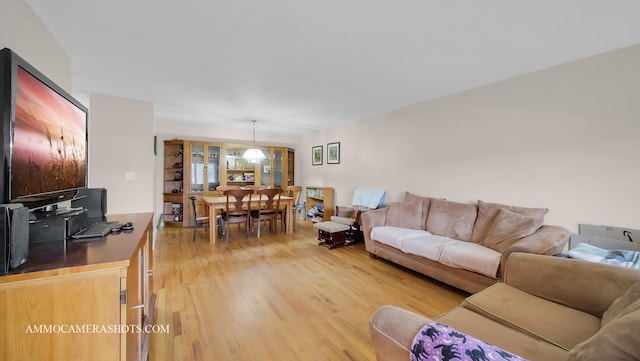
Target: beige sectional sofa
545,308
464,245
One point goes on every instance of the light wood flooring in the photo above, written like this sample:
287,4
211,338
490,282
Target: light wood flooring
280,297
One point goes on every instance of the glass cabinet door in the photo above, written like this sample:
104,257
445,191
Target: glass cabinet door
277,169
213,167
197,168
265,165
205,167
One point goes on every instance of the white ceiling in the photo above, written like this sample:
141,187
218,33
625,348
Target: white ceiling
299,66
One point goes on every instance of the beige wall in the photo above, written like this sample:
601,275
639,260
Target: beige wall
23,32
120,131
566,138
121,153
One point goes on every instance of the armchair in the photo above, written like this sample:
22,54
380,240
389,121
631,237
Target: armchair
344,227
350,216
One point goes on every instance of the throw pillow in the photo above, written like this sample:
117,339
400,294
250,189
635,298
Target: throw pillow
451,219
488,211
405,214
618,340
426,202
435,341
509,227
620,305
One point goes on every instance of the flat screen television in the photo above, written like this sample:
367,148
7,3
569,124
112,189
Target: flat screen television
44,137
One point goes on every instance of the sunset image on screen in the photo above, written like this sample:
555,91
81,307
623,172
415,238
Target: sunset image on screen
49,140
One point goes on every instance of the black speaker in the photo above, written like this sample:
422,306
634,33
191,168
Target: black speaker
93,200
14,236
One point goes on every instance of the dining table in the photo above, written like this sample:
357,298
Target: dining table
218,204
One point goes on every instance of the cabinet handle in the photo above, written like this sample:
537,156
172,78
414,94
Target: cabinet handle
137,306
150,272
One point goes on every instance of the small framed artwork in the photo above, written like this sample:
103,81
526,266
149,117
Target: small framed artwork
316,155
333,153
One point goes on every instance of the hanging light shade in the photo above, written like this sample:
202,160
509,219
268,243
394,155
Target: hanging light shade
254,155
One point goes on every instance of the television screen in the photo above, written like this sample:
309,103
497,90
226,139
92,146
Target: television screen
43,137
49,140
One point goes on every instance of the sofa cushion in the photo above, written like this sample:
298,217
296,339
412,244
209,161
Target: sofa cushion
451,219
488,211
500,335
618,340
428,246
471,257
560,325
406,214
393,236
621,304
509,227
426,203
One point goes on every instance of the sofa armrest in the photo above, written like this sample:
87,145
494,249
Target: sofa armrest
586,286
392,331
548,240
371,219
345,211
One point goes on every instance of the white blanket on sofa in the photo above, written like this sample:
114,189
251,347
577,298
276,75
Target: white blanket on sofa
618,257
371,198
450,252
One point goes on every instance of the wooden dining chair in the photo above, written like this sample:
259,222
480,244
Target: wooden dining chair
293,192
203,219
268,206
226,188
234,212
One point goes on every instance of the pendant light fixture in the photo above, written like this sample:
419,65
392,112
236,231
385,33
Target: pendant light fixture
254,155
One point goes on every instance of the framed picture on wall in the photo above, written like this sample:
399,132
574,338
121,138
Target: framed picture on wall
316,155
333,153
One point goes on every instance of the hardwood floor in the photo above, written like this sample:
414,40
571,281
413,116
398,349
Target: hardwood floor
280,297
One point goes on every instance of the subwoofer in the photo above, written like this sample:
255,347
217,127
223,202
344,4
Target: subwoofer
14,236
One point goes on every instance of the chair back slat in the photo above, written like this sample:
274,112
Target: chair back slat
233,207
271,203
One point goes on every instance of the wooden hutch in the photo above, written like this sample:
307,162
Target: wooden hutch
198,167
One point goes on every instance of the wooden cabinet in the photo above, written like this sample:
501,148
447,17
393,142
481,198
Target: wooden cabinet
322,196
277,171
207,165
69,302
173,183
240,171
